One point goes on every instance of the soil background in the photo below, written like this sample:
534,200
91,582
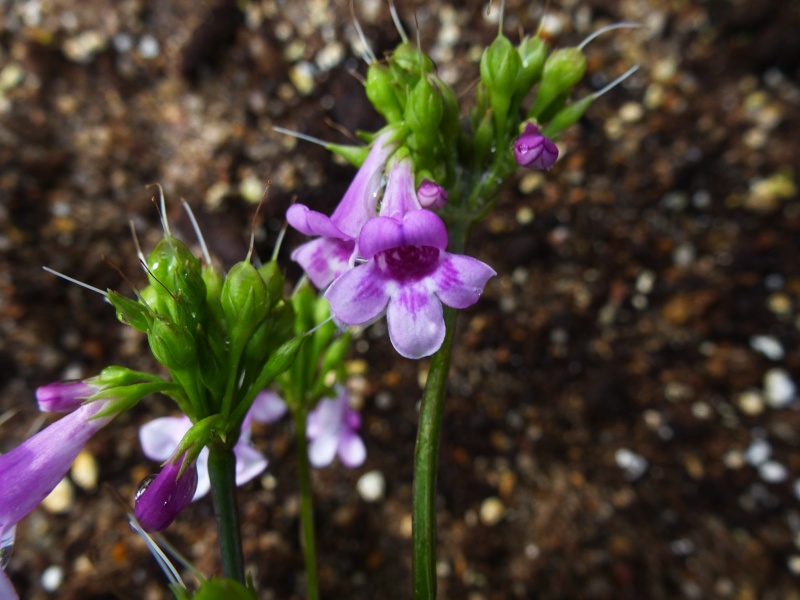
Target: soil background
606,389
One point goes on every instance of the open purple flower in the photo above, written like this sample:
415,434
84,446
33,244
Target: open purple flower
409,275
532,150
331,429
330,255
162,499
31,470
63,396
160,437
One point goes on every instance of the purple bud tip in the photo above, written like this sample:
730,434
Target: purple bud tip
431,195
158,501
532,150
63,396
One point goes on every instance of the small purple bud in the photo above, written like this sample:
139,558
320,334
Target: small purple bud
158,501
431,195
63,396
532,150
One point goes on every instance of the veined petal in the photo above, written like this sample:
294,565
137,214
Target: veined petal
321,450
324,259
352,451
311,222
416,322
29,472
400,197
161,436
359,295
249,462
418,228
459,280
360,201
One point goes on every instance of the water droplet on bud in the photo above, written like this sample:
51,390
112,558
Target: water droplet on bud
144,485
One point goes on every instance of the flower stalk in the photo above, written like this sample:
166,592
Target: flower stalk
307,534
222,473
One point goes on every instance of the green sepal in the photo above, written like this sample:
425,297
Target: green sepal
424,111
213,281
171,343
500,70
115,375
563,69
198,437
224,589
411,59
172,265
355,155
245,303
566,117
123,398
131,312
274,279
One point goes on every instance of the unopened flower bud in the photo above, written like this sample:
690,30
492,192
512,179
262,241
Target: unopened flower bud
245,303
63,396
412,60
131,312
562,70
532,150
431,195
500,69
382,93
172,345
424,111
175,268
532,53
160,500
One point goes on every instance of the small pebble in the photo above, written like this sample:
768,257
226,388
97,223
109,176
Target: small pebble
773,472
758,452
371,486
52,578
492,511
634,465
84,471
61,498
302,76
750,402
793,562
779,389
768,346
148,47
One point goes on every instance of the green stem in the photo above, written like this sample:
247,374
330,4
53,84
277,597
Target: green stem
427,451
306,506
222,473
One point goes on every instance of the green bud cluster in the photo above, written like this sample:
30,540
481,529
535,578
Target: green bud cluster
222,337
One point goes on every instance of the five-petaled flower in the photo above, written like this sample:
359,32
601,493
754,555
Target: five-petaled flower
407,272
331,429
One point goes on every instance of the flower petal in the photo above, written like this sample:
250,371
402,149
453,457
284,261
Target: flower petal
267,407
324,259
352,451
418,228
7,591
321,450
249,462
161,436
416,322
460,279
311,222
359,295
400,197
158,505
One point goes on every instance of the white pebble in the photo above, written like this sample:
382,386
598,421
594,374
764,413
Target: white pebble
779,388
148,47
634,465
758,452
773,472
492,511
52,578
84,471
768,346
371,486
61,498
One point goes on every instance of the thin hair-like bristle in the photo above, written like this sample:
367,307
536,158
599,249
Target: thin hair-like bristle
197,232
76,282
607,28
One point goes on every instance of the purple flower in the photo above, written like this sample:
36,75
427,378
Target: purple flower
331,428
409,275
162,499
331,254
431,195
63,396
31,470
7,591
160,437
532,150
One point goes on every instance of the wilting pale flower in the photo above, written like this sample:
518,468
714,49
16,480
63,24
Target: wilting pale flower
63,396
29,472
407,272
331,429
160,437
162,499
330,255
431,195
532,150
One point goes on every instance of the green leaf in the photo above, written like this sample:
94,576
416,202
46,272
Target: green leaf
224,589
